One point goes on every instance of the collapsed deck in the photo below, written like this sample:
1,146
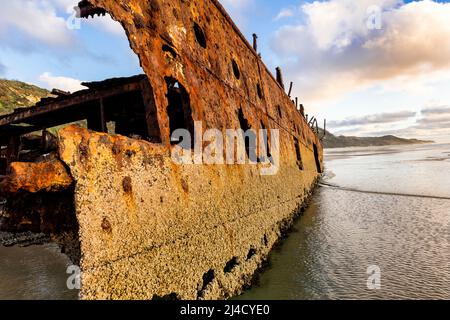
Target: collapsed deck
121,106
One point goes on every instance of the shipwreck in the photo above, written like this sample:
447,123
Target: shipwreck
103,184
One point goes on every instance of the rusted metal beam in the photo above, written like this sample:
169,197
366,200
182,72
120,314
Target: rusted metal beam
255,42
290,89
12,152
102,116
44,140
280,77
302,110
60,93
151,112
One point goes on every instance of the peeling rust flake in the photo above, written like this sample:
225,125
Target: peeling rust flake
48,176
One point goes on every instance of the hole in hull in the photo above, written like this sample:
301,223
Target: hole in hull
179,112
249,136
298,154
251,253
229,267
207,278
236,71
200,35
316,157
259,91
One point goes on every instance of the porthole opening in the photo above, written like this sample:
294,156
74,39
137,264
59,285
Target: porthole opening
169,50
298,153
266,144
259,91
249,136
316,157
200,35
236,71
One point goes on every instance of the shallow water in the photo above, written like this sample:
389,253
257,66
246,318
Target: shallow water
36,272
340,235
344,232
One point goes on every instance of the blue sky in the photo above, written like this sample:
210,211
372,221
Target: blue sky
386,79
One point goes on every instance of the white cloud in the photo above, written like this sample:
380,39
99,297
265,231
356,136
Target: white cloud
379,118
63,4
285,13
337,23
437,110
104,23
333,52
36,20
31,24
62,83
432,122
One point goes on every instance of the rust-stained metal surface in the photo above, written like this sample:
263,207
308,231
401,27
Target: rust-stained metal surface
196,42
146,227
48,176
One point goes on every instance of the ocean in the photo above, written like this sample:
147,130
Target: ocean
378,227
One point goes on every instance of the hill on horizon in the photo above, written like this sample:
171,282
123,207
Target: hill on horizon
16,94
332,141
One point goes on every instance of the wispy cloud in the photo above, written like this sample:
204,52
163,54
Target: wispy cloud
432,122
35,22
62,83
28,25
440,110
378,118
285,13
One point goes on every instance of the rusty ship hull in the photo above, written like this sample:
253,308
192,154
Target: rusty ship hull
139,225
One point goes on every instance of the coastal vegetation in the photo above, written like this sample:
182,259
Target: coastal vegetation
16,94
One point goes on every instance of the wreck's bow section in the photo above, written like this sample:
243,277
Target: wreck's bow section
147,227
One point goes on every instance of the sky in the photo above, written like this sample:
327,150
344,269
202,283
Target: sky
370,67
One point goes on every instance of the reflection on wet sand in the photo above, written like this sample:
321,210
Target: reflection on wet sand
34,272
346,230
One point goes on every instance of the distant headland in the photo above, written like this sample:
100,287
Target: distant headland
332,141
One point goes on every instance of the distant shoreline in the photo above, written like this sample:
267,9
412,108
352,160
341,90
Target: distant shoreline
331,141
381,145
